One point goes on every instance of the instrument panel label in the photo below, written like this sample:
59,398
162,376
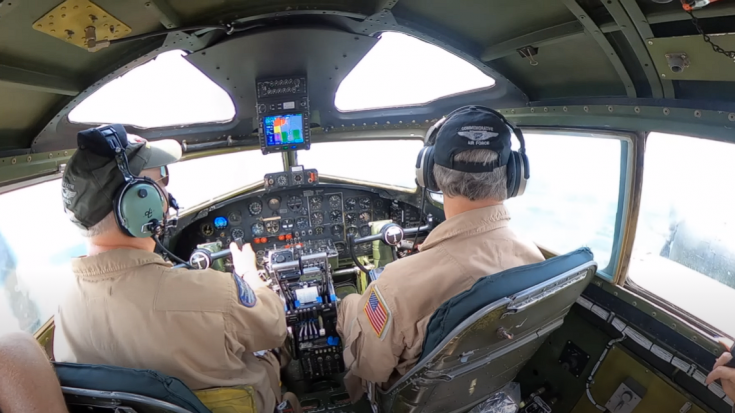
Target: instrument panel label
638,338
681,364
661,353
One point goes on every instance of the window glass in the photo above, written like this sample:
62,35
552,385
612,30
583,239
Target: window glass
401,70
571,199
37,241
163,92
384,162
199,180
684,249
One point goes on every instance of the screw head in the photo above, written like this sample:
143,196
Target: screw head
650,42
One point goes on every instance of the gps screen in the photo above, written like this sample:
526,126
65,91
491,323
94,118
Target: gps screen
283,129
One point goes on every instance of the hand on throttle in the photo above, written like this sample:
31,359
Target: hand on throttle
244,262
726,375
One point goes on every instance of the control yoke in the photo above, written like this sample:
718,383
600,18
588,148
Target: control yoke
391,234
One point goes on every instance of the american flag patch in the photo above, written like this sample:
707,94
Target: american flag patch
377,312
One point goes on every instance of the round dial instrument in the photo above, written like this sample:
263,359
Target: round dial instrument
350,204
364,203
258,229
351,218
353,231
319,230
317,218
335,201
335,216
282,180
338,230
302,222
378,204
316,202
287,224
364,217
294,203
274,204
340,246
273,226
234,217
207,230
238,233
365,230
255,208
260,257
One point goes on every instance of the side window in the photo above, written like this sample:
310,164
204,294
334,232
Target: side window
572,197
37,241
684,250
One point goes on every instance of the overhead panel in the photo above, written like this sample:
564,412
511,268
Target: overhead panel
690,58
324,56
79,21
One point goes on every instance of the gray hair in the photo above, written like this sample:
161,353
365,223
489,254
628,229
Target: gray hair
107,224
475,186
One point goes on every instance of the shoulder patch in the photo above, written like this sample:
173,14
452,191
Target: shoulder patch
377,312
244,292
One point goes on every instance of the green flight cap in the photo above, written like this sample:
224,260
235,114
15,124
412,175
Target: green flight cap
91,181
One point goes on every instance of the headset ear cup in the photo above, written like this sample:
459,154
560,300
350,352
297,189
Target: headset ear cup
523,174
116,210
429,170
137,204
511,174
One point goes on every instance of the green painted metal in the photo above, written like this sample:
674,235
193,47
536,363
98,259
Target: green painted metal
639,49
25,167
594,31
37,81
546,37
704,63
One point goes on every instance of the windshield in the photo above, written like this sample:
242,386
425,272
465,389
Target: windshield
383,162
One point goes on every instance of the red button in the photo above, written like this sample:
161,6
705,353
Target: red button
289,236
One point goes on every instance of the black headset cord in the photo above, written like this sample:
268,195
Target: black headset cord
421,218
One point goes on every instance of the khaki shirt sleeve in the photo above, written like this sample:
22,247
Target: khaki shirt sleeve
373,341
257,316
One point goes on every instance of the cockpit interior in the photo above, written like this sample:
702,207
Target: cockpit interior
627,107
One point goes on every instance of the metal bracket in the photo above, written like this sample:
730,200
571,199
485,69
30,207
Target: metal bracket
677,61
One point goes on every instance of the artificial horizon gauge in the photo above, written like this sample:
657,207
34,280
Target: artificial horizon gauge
294,203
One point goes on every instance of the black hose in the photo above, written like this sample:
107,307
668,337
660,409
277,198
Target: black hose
169,253
421,217
351,247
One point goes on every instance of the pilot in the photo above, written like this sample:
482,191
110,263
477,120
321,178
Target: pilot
28,383
384,328
725,375
128,307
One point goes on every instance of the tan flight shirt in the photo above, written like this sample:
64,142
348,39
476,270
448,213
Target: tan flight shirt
129,308
384,328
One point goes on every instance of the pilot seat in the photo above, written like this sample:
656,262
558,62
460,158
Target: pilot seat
479,340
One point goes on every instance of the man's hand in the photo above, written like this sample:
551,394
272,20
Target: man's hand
244,262
726,375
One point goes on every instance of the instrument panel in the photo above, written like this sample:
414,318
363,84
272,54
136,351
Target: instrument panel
293,216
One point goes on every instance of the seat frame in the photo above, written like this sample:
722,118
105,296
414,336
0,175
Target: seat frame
441,365
115,400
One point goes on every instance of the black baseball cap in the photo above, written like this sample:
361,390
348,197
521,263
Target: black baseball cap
91,180
471,128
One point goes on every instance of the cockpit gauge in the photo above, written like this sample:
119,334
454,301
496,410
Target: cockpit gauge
274,204
335,216
317,218
319,230
237,234
294,203
335,201
351,218
287,224
316,202
282,180
302,222
255,208
364,217
234,217
364,203
378,204
365,230
340,246
207,230
338,230
353,231
304,211
273,226
258,229
350,204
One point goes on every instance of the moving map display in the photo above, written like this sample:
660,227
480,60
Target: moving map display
284,129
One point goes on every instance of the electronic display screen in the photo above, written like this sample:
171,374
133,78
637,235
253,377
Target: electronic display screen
283,129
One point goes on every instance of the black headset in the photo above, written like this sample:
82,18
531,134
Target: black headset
516,169
140,203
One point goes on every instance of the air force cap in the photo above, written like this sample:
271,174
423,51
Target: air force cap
468,129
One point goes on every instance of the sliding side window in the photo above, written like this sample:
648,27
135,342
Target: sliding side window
685,242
